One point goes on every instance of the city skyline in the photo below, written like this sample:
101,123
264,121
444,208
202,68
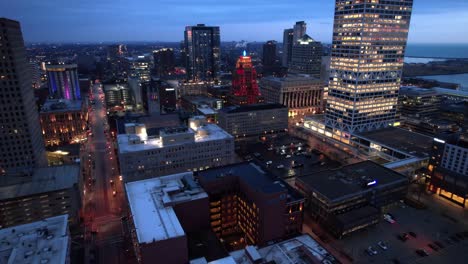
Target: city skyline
86,21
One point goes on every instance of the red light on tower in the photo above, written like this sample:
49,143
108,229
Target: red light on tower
244,81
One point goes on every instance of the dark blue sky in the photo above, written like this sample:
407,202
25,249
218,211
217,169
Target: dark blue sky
433,21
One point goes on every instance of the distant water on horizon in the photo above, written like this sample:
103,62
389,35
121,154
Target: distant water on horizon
437,50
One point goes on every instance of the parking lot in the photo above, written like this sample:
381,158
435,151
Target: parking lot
286,157
431,228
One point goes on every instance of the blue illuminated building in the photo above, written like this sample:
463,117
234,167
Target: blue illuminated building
63,81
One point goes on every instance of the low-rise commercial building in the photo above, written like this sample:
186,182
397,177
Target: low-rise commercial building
44,241
448,168
63,121
302,95
162,211
197,147
351,198
254,120
51,191
249,206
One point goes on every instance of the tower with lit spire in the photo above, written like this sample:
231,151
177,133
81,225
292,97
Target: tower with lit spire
244,82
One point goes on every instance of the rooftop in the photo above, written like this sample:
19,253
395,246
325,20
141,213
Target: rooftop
252,175
151,204
44,180
61,105
298,250
351,180
141,142
416,91
411,143
292,79
254,107
45,241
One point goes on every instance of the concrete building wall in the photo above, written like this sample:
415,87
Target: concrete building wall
254,123
170,251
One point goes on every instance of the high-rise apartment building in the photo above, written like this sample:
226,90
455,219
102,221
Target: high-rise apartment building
202,46
369,41
244,82
63,81
21,143
306,57
269,53
288,36
299,29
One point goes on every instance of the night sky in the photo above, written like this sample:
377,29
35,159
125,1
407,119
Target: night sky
433,21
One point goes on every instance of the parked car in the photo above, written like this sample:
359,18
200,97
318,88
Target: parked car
422,252
388,218
281,166
371,251
439,244
268,163
403,237
433,247
382,245
412,234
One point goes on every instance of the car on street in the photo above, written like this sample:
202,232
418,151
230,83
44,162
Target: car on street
268,163
413,234
114,193
288,156
281,166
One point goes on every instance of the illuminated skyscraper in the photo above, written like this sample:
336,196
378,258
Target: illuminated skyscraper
369,41
244,82
21,143
63,81
203,54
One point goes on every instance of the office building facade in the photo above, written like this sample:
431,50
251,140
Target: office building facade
63,81
352,197
250,204
202,46
369,42
63,121
302,95
254,120
179,149
448,168
22,146
306,57
51,191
